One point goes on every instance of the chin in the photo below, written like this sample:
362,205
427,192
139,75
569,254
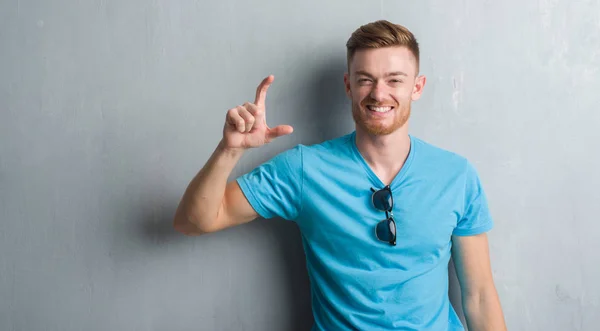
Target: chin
377,128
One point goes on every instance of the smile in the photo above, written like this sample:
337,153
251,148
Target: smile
380,109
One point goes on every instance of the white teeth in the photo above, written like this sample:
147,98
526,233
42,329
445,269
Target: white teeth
380,109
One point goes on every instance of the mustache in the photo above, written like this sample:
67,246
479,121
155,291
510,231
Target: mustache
374,103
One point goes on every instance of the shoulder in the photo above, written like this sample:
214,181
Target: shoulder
440,160
330,147
318,151
430,151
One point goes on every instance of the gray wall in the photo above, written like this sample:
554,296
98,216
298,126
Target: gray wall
108,108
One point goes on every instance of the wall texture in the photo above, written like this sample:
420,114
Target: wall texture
108,108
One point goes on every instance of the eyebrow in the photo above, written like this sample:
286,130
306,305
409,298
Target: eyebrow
393,73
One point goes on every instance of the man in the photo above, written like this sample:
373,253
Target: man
380,211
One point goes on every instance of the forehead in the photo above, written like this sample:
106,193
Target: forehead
379,61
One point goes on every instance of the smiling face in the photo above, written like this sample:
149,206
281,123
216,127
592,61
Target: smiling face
382,83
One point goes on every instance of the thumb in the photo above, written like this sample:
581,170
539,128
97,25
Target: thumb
278,131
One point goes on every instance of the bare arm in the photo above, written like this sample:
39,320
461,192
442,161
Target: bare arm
211,204
479,296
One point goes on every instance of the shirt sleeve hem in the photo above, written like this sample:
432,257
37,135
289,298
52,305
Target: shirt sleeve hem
470,232
254,202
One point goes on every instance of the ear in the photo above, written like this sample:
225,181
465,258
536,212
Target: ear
418,88
347,85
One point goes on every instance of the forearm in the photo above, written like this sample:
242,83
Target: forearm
199,208
483,311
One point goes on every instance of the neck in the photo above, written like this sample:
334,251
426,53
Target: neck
385,154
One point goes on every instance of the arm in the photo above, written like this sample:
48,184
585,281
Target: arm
479,297
211,204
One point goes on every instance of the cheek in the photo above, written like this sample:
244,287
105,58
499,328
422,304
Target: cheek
358,95
402,95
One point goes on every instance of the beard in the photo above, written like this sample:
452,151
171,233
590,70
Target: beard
380,127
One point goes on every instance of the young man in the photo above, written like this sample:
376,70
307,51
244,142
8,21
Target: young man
380,211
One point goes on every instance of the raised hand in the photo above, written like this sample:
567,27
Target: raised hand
246,125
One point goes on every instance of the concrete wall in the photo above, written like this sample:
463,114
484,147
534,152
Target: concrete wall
108,108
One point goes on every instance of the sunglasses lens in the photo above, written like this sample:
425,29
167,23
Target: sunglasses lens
386,230
383,200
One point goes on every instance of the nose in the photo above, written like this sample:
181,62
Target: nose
378,92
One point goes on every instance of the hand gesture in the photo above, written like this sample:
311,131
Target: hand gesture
246,125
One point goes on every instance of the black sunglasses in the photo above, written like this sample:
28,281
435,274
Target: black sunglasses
383,201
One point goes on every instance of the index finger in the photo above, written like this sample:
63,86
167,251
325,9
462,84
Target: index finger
261,91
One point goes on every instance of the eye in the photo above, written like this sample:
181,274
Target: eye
364,81
396,81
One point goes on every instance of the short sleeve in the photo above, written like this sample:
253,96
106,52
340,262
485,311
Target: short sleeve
476,217
274,189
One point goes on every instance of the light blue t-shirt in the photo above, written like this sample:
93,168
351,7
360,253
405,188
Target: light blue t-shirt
357,281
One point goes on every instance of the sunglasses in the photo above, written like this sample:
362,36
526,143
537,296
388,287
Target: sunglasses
383,201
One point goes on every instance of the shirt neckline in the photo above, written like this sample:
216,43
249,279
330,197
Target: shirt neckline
374,178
